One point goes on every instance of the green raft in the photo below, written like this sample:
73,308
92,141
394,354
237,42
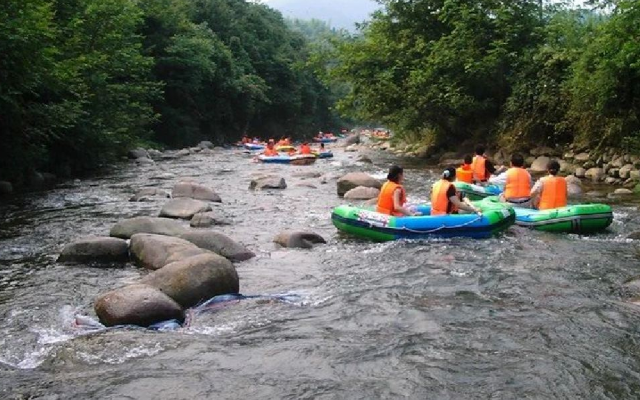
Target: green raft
477,192
369,224
580,218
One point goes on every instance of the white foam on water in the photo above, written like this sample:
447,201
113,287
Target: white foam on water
134,352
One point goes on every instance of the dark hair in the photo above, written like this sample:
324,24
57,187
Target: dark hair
394,173
517,160
553,167
480,149
449,174
468,159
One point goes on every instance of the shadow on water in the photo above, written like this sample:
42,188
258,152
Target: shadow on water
523,315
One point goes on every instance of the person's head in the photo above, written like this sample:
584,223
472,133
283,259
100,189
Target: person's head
449,174
468,159
517,160
480,149
270,145
322,145
396,174
553,167
305,143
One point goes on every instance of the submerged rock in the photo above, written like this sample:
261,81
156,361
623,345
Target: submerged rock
354,179
138,153
147,194
219,243
159,226
184,208
95,249
299,239
138,304
155,251
195,279
207,219
195,191
362,193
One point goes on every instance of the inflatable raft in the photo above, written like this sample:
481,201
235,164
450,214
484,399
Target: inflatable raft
477,192
253,146
582,218
368,224
324,154
325,140
299,159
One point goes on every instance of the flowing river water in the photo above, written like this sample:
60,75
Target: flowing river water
525,315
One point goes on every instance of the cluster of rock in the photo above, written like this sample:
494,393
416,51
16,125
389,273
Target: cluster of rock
150,156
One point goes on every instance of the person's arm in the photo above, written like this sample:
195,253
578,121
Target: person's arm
397,204
499,180
536,192
465,205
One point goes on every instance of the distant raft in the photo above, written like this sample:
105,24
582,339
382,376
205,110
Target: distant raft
325,139
368,224
298,159
477,192
581,218
254,146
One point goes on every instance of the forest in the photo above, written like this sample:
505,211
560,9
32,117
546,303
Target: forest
83,81
511,73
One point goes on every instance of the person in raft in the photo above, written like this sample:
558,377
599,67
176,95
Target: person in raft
517,183
481,166
465,172
270,150
305,148
392,197
550,191
445,199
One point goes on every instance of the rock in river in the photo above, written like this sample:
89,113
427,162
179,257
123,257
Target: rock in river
354,179
298,239
195,279
362,193
208,219
184,208
219,244
540,164
159,226
146,194
156,251
268,182
140,305
138,153
195,191
95,249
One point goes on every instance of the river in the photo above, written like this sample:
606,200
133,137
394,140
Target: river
525,315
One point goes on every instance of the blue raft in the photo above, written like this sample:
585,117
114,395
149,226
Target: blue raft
324,154
325,140
299,159
253,146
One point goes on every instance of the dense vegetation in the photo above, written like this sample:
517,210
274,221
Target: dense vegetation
520,72
82,81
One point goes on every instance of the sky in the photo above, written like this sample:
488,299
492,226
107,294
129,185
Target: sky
338,13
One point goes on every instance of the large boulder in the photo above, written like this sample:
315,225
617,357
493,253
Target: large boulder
625,171
268,182
208,219
6,187
155,251
580,172
623,192
352,139
354,179
95,249
183,153
220,244
195,279
154,154
205,144
158,226
138,153
540,164
543,151
298,239
195,191
136,305
147,194
184,208
362,193
595,174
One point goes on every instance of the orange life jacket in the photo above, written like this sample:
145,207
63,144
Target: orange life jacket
305,149
554,193
464,173
440,203
270,152
479,167
385,199
518,185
